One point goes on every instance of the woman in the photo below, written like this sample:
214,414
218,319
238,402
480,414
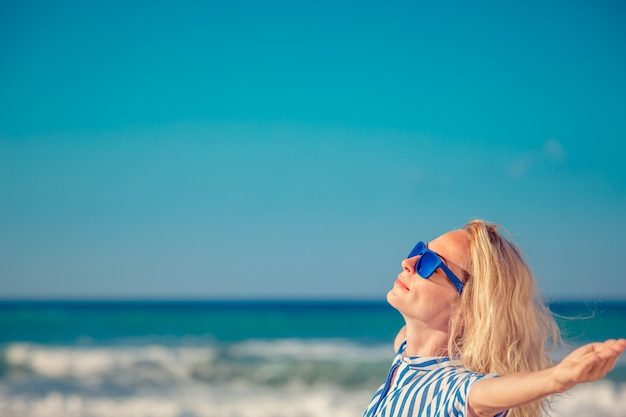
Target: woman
473,342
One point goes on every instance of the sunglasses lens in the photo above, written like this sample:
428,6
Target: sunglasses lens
426,265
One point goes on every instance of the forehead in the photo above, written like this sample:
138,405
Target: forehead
453,246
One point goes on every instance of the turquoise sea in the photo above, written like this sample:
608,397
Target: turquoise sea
234,358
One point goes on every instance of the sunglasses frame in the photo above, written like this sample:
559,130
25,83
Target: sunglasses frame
421,250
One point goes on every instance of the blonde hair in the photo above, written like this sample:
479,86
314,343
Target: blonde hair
501,325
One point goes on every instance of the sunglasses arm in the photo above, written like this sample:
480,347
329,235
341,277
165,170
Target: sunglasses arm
453,278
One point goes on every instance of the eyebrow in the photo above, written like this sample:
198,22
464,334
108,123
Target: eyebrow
445,261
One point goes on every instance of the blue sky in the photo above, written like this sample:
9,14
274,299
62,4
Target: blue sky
300,149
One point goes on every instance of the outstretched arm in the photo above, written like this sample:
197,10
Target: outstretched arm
490,396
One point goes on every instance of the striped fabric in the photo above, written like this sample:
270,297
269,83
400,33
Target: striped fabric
424,387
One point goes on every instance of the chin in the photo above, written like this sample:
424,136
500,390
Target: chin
392,299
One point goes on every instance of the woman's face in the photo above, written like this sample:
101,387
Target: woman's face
430,300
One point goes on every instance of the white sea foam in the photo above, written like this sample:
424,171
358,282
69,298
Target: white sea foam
598,399
321,349
285,362
591,400
79,360
82,362
195,401
256,378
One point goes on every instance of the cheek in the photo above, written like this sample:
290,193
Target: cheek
425,303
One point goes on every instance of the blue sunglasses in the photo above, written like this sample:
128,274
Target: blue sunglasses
428,263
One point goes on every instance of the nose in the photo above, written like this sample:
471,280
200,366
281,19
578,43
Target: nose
408,264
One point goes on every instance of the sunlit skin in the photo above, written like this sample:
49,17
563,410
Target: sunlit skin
585,364
426,305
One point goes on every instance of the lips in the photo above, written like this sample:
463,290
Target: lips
401,284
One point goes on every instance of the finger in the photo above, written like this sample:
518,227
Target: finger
609,349
603,364
609,362
592,347
620,345
612,349
584,351
589,365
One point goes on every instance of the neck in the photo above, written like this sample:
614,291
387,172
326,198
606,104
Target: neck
423,340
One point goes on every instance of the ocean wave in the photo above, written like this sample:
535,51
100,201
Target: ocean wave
600,398
318,349
258,362
284,377
86,362
590,400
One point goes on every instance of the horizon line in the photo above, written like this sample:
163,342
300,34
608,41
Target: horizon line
260,299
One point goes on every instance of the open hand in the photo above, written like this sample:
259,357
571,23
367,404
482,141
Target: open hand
587,363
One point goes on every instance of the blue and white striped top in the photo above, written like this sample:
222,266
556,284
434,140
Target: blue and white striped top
424,387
